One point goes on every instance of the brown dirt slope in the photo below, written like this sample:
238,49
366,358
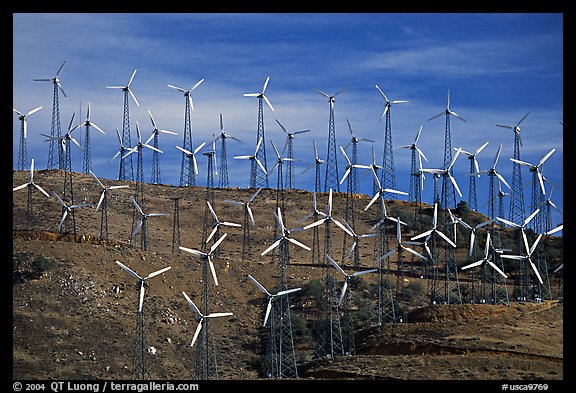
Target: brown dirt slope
74,308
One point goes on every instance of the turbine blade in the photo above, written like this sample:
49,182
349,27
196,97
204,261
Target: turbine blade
191,303
141,299
157,272
259,286
294,241
273,246
213,271
344,288
128,270
197,332
268,309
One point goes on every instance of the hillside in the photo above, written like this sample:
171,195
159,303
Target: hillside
74,308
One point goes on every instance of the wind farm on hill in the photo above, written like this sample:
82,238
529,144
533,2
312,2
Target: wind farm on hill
127,279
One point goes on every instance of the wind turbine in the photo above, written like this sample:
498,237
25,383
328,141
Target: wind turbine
354,247
31,182
528,256
486,259
23,151
141,280
317,162
289,144
223,155
192,155
328,218
548,204
492,172
142,223
331,179
55,125
315,239
474,169
350,167
388,175
279,354
207,256
29,186
414,191
248,215
126,127
103,201
87,146
155,179
448,197
201,317
516,212
434,230
254,160
261,179
354,142
347,277
271,297
217,223
67,209
381,191
473,230
120,151
401,246
186,171
445,173
284,236
537,177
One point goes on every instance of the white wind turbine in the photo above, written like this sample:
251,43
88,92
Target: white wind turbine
388,102
105,190
317,162
246,206
126,88
351,166
217,223
261,94
141,280
65,139
289,144
356,238
427,234
328,218
207,256
446,172
254,160
284,236
537,168
201,317
472,229
104,202
192,155
155,158
401,245
122,148
31,182
23,151
67,209
523,225
515,128
528,256
87,146
142,222
486,259
381,191
271,297
188,93
347,276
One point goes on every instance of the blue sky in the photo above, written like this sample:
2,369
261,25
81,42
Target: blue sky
498,67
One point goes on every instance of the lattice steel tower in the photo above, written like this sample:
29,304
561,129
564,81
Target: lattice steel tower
126,167
331,180
223,179
516,212
187,174
261,178
155,178
23,149
448,196
388,177
55,130
87,164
